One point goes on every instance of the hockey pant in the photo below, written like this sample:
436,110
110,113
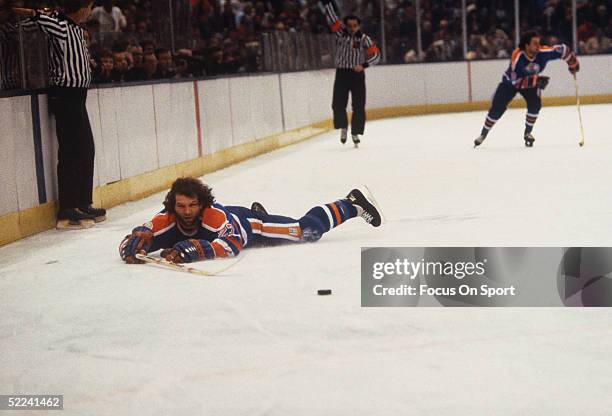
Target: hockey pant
271,230
503,95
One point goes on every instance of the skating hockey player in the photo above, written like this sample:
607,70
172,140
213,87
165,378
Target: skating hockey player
192,226
523,77
355,51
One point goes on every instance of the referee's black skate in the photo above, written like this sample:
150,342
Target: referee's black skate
343,135
257,207
366,205
356,140
99,214
74,219
529,139
479,140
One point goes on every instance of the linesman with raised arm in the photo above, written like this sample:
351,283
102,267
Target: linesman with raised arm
355,51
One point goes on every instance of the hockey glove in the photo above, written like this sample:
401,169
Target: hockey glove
542,81
533,81
141,239
573,65
186,251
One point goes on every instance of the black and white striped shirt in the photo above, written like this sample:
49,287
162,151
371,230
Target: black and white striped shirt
10,69
69,64
351,50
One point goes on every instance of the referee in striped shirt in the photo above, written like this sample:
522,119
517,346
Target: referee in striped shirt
355,51
69,78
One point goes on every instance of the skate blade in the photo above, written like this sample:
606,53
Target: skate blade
100,218
368,194
74,225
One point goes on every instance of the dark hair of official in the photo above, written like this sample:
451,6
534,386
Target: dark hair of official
72,6
526,38
351,17
192,188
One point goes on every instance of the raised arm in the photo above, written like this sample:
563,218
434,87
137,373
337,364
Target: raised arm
334,22
48,24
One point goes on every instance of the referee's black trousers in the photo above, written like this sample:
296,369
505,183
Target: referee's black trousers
347,81
75,158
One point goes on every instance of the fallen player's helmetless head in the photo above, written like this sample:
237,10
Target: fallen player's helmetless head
187,198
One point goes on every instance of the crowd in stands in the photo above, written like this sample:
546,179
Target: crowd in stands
130,40
491,27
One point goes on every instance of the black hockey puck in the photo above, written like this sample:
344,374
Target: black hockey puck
324,292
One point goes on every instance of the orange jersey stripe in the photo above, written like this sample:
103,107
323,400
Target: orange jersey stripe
336,26
218,249
234,242
336,214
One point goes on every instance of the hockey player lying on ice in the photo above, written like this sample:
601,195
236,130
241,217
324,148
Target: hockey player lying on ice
192,226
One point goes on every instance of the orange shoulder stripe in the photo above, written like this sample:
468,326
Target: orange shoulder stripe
336,26
162,220
214,218
372,50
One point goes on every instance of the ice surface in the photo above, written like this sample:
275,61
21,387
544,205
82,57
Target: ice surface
117,339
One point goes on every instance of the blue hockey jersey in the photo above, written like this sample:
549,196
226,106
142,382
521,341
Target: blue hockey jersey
521,67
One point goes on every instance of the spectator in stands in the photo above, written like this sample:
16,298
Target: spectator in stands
148,46
137,72
109,16
165,64
105,71
150,65
137,55
216,64
122,65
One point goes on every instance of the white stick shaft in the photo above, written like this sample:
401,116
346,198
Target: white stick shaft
579,111
183,268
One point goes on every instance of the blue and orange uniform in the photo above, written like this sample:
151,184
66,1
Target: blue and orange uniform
523,77
223,231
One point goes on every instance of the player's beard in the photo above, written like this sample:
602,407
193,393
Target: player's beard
189,224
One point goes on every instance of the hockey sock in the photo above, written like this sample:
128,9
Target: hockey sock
321,219
489,123
530,120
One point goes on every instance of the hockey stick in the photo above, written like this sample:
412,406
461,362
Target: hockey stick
181,267
581,142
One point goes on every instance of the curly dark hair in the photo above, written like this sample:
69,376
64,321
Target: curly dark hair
526,38
191,187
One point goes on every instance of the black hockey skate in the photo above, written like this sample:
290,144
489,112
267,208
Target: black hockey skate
479,140
366,205
343,135
529,139
257,207
356,140
74,219
99,214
